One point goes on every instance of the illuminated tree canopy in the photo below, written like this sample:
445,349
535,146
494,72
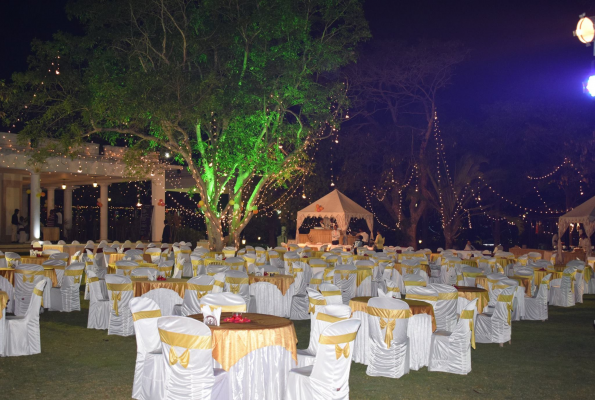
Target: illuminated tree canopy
235,90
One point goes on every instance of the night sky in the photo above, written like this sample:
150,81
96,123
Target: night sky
520,50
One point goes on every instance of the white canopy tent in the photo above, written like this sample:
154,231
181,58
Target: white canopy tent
583,214
338,206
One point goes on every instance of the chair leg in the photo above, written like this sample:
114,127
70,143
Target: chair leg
510,341
501,344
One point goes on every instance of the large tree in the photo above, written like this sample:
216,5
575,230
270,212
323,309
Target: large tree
234,90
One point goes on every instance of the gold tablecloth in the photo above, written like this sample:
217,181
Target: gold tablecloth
469,263
416,307
65,248
142,286
525,282
399,267
283,282
8,273
34,260
362,274
539,275
3,301
118,256
472,293
505,261
232,342
111,268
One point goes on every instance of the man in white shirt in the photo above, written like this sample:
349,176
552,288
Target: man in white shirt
335,235
365,236
59,222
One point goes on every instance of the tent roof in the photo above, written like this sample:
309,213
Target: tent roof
335,203
584,212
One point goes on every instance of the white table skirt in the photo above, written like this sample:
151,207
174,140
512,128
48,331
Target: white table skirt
270,300
262,374
362,340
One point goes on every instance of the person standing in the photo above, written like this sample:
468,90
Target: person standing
59,222
166,235
555,241
364,235
335,235
585,244
379,243
15,225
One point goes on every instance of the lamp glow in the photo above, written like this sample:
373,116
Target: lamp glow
63,186
243,241
94,184
585,30
590,86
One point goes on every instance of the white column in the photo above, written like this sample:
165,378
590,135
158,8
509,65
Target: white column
68,211
35,214
50,200
103,212
157,193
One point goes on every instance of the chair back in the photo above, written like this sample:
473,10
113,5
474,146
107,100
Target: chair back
504,306
32,314
445,310
387,322
392,290
166,299
196,288
12,259
316,280
331,293
94,283
119,292
124,267
145,273
345,278
26,277
237,282
145,313
165,268
464,331
425,294
235,263
60,256
411,280
133,255
155,254
228,302
73,275
325,316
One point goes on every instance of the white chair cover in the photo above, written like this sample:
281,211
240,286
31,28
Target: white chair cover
451,350
518,306
325,316
316,280
66,298
186,347
445,309
22,332
149,372
497,326
536,306
5,286
125,267
145,273
299,302
26,278
237,282
469,275
317,265
328,378
99,305
331,293
12,259
196,288
133,255
269,299
59,267
228,302
413,280
119,291
388,342
166,299
155,254
346,281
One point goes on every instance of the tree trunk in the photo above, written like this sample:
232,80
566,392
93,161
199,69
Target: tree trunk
215,236
412,233
449,238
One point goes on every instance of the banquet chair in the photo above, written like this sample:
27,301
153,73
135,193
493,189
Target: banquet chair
198,264
6,286
397,278
346,257
469,275
562,289
166,299
22,332
496,327
236,263
155,254
536,306
328,377
315,300
119,292
450,351
518,311
388,341
140,246
250,261
165,268
219,283
149,370
99,305
213,269
269,299
378,277
148,273
333,260
331,293
411,280
526,272
316,280
445,310
228,302
317,265
346,281
325,316
425,294
579,282
493,285
237,282
229,251
26,277
59,267
299,301
60,256
133,255
196,288
392,290
187,356
125,267
66,297
289,259
12,259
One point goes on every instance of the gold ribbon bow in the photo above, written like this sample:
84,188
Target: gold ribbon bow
571,280
344,275
389,324
235,289
39,293
184,359
342,351
314,303
116,296
30,278
77,279
468,314
544,282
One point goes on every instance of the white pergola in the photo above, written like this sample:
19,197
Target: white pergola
101,164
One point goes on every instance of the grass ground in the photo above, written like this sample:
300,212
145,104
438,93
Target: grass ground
551,360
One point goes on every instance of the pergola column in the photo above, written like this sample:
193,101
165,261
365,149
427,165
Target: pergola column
68,211
103,211
35,214
157,193
50,203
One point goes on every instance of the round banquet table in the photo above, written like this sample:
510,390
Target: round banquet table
113,257
257,355
278,305
539,274
472,293
112,268
49,272
359,306
142,286
34,260
524,282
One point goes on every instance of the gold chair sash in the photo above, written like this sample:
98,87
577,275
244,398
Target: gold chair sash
314,281
314,303
422,297
219,283
93,279
572,278
545,282
337,340
328,293
234,308
448,296
39,293
28,276
508,298
345,273
200,290
184,341
468,314
414,283
146,314
387,320
296,271
328,318
472,274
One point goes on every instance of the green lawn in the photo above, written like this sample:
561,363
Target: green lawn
550,360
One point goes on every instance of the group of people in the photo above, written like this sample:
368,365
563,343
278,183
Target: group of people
361,238
19,228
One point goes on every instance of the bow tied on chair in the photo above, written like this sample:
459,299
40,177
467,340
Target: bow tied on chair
116,296
342,351
344,275
29,279
184,359
219,257
235,288
389,324
200,294
77,279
